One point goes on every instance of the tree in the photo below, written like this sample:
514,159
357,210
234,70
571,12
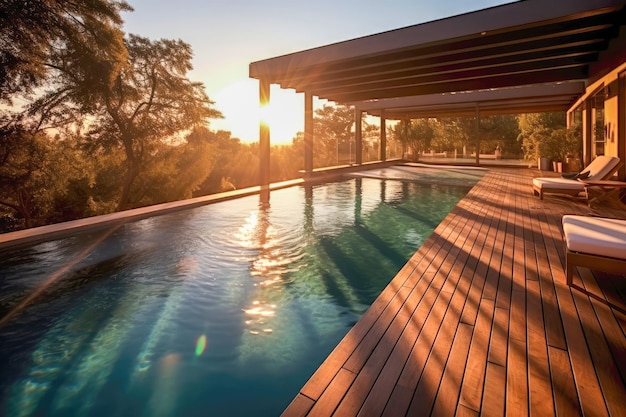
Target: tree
500,131
332,130
33,174
454,133
370,141
532,122
545,135
35,35
414,134
234,165
136,108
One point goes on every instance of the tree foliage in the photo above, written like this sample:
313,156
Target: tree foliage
500,131
416,135
546,135
459,133
533,122
35,174
150,102
36,36
333,132
138,108
121,107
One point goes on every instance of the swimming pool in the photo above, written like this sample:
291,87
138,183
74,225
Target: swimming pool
220,310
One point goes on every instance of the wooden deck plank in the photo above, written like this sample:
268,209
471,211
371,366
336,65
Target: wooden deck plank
450,386
609,321
331,397
610,287
378,331
478,311
517,397
481,322
473,381
516,379
540,387
552,317
428,385
494,393
300,406
493,273
498,346
505,283
463,411
563,387
477,265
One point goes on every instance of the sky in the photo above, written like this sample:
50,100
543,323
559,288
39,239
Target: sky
227,35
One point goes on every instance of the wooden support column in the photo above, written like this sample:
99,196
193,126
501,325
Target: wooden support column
477,135
587,130
405,132
308,134
621,123
264,135
382,151
358,136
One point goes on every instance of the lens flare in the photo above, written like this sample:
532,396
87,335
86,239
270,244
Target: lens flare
200,345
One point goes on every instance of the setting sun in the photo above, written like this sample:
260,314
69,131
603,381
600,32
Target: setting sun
239,103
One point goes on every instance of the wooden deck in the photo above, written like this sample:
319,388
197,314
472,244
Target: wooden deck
481,322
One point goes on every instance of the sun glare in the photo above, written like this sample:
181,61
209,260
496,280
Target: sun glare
239,103
265,114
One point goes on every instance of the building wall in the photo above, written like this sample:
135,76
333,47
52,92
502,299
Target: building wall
604,102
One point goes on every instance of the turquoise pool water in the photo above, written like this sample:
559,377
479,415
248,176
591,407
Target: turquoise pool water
222,310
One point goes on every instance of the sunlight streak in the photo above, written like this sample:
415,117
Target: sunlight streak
56,275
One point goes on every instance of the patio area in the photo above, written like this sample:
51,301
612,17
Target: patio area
481,322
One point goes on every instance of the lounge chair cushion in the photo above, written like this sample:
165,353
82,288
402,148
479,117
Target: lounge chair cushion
557,183
601,167
595,235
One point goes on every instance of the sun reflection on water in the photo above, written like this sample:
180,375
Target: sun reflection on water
259,315
245,235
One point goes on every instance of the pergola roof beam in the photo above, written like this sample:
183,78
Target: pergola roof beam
455,52
465,74
539,76
580,48
524,99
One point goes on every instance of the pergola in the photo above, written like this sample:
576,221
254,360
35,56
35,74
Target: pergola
529,55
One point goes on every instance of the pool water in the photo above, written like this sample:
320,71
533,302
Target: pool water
222,310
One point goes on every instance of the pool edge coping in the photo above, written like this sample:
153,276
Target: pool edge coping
63,229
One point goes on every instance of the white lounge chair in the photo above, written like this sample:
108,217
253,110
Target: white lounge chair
601,168
594,242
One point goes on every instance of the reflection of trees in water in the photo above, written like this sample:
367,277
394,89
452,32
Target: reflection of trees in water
311,288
